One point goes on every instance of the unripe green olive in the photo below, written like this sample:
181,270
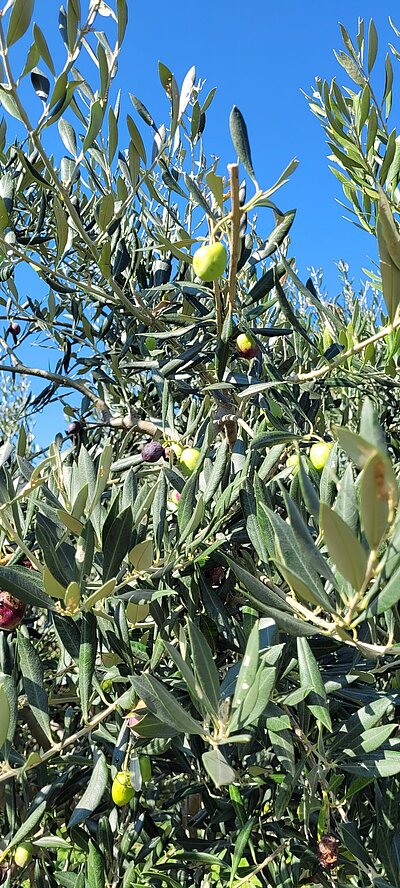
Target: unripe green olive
209,261
292,463
188,459
319,454
122,790
23,854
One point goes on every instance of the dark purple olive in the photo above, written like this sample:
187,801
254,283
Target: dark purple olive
215,575
14,329
74,428
11,611
152,451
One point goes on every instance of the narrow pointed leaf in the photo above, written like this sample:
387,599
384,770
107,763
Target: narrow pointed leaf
344,547
33,681
93,795
310,676
20,19
240,139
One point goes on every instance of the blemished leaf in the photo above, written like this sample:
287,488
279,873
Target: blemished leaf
93,794
240,139
33,681
218,768
310,676
165,76
344,547
350,67
378,497
20,19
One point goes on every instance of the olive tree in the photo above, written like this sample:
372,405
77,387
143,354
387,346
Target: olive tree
198,668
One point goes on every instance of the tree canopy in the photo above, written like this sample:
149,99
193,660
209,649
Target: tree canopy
200,576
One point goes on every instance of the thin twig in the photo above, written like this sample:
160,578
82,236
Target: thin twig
59,379
260,866
326,369
59,748
233,169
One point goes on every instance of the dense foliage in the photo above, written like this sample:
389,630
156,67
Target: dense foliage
200,686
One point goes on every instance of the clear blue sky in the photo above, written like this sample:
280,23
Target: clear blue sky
259,55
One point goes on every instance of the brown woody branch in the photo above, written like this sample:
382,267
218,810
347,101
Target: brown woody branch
233,169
